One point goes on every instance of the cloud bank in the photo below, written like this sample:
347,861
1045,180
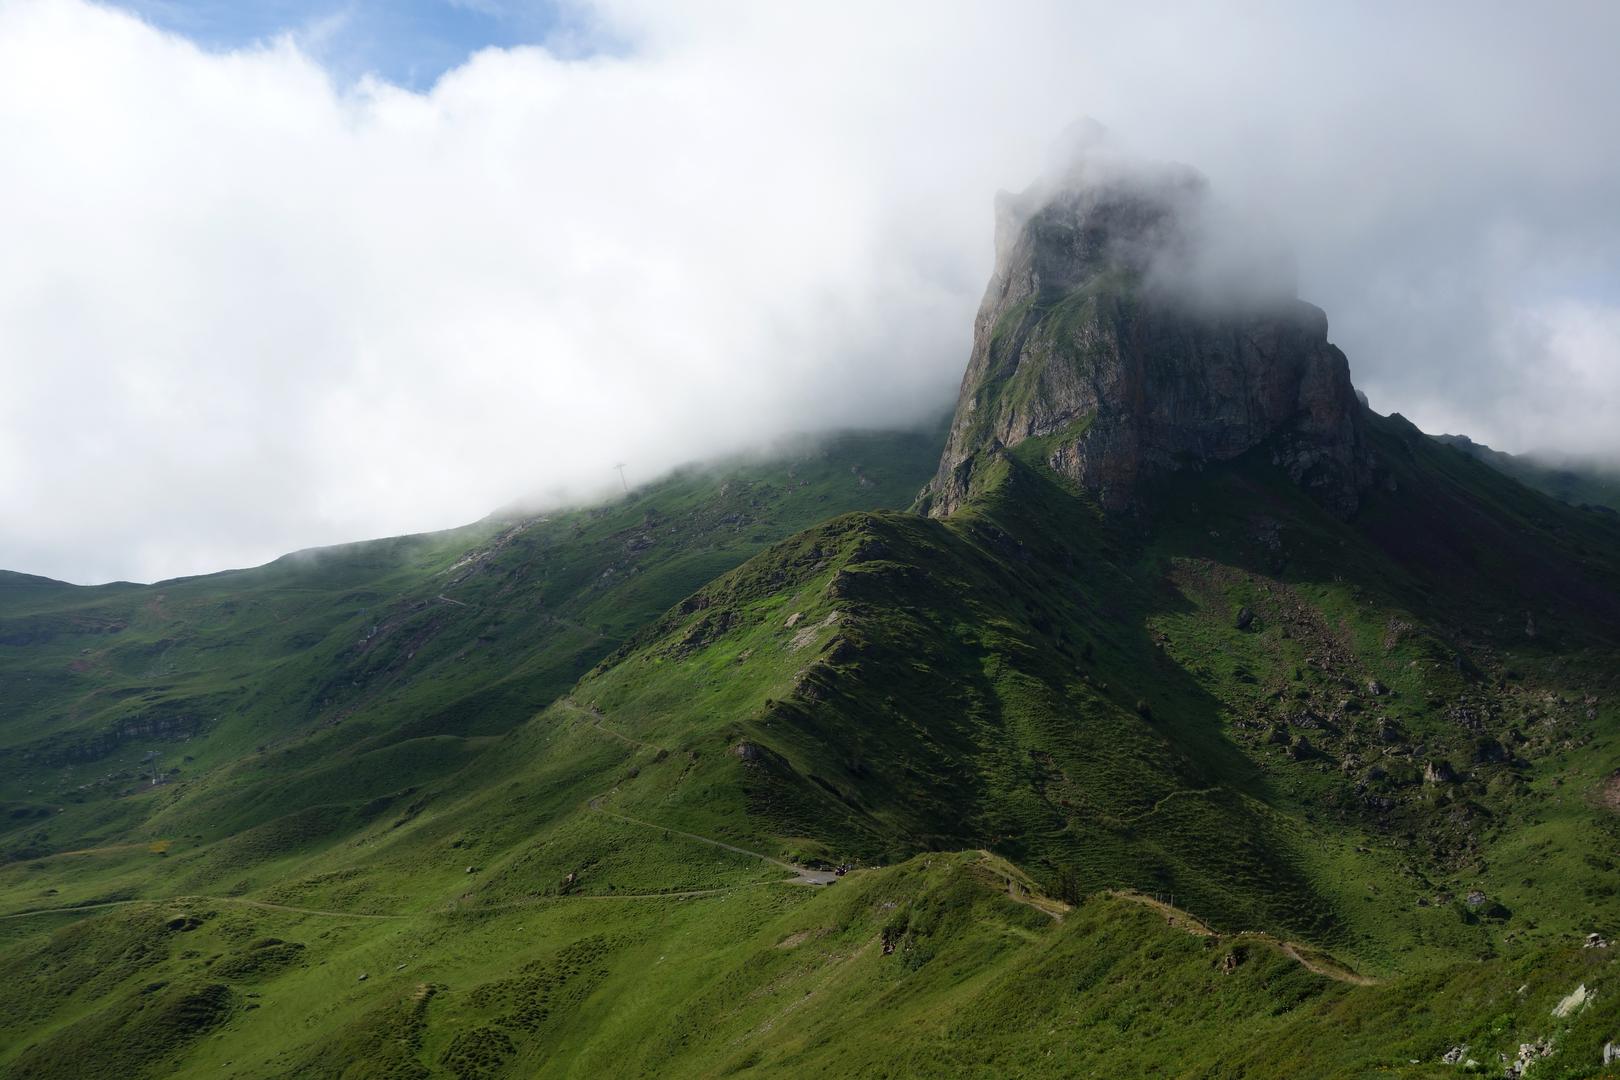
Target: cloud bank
246,307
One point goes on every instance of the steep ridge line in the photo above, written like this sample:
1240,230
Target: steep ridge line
1175,916
1016,891
1184,920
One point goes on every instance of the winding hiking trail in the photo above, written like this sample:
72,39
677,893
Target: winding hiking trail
801,875
243,900
1318,963
1332,970
1018,891
1018,887
683,894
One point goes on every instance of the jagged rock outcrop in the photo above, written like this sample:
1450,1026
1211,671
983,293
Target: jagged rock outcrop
1097,336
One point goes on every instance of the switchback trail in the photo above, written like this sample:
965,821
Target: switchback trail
1179,793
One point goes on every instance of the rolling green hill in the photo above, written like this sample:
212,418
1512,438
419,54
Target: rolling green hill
328,680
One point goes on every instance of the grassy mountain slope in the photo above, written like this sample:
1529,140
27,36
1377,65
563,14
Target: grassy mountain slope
1583,482
1253,705
334,683
1372,763
938,966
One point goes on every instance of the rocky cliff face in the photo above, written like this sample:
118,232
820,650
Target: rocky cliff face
1092,339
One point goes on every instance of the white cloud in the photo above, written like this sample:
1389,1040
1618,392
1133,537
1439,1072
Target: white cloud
1568,352
244,309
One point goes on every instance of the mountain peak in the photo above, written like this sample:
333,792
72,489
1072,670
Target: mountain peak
1115,328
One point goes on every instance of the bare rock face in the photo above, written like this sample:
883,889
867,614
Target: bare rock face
1098,336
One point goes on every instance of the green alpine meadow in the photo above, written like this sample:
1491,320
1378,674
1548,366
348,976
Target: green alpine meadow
1162,712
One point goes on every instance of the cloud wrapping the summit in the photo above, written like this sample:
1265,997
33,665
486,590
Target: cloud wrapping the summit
246,308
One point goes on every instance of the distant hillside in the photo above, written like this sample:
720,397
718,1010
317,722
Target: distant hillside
376,665
1582,482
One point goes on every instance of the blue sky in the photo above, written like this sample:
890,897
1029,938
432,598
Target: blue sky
408,42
